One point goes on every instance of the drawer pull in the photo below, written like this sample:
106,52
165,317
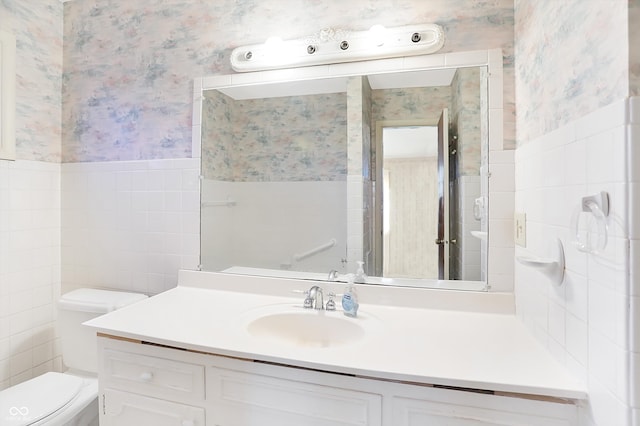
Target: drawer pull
147,376
188,423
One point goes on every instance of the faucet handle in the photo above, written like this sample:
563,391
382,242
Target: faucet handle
331,304
308,302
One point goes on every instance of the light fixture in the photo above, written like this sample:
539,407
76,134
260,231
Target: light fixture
332,46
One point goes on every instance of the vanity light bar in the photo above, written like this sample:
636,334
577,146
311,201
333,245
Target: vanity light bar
331,46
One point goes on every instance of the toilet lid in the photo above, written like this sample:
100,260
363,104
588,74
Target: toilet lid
30,401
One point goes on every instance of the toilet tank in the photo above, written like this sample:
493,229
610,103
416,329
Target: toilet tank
79,344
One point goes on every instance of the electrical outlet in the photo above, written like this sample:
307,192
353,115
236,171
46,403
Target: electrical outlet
520,229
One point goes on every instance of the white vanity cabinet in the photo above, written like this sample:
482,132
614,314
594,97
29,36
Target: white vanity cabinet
149,384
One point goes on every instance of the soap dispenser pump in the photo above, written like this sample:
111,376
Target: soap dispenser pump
350,298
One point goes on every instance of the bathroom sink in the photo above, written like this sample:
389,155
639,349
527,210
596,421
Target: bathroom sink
307,328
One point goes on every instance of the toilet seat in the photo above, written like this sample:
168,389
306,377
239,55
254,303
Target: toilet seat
31,402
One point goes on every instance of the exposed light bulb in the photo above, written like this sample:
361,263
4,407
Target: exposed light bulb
377,34
274,49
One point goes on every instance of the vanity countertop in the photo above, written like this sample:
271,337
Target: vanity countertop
449,347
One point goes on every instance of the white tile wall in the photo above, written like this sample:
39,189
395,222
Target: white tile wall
29,269
129,225
355,221
270,222
501,209
469,246
586,322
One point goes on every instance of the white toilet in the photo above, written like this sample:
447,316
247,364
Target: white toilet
69,398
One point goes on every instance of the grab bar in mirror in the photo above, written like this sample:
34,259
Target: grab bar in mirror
316,250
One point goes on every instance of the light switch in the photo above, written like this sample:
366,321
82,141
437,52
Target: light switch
520,229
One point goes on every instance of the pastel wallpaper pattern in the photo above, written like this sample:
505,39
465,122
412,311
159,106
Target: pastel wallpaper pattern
217,137
37,26
129,66
304,137
466,120
421,103
560,79
291,138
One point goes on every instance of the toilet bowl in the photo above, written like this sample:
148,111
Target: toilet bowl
69,398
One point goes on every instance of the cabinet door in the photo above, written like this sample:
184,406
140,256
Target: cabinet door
240,399
128,409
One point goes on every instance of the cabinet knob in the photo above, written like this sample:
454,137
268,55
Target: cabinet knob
147,376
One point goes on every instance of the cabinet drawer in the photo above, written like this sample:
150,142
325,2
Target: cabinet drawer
154,376
127,409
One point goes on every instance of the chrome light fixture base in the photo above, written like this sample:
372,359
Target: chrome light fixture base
337,46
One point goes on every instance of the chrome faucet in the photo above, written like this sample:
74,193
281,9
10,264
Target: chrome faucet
333,275
314,298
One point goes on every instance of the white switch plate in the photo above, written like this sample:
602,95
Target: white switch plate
520,229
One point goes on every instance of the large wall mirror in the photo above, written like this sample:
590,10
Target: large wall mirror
307,177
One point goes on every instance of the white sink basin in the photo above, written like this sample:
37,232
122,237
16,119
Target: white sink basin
307,328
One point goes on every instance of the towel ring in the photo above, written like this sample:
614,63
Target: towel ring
598,206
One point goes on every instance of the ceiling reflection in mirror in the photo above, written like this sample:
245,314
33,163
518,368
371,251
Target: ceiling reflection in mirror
308,177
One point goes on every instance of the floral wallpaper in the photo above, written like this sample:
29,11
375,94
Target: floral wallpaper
217,136
304,138
37,27
466,116
292,138
559,79
129,66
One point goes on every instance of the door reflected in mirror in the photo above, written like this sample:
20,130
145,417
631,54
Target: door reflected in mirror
410,202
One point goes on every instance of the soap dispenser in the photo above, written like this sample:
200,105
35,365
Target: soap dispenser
350,298
360,277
